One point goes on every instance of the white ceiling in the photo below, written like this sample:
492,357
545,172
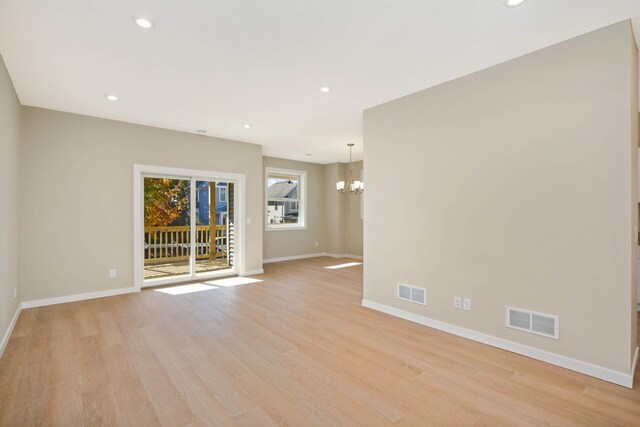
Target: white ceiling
217,65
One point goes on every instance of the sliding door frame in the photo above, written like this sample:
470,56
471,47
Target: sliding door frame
142,171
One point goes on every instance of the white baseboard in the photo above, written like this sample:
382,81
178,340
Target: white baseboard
77,297
252,272
7,335
314,255
620,378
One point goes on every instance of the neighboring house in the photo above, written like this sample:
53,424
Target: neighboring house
202,202
279,212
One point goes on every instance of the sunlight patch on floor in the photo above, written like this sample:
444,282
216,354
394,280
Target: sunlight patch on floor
186,289
207,286
349,264
232,281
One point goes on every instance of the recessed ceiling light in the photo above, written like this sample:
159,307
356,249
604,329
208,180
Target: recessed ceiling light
143,22
513,3
325,89
247,126
111,97
201,131
308,154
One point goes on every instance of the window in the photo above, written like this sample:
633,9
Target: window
222,194
222,218
285,196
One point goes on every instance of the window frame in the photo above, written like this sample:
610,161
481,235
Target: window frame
221,192
302,199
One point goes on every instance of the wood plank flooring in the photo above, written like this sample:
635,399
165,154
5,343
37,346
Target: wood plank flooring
295,349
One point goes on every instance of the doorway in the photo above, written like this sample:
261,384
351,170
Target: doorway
186,225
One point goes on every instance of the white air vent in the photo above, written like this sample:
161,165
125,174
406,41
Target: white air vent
546,325
412,294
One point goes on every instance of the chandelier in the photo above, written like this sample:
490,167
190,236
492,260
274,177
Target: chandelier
350,186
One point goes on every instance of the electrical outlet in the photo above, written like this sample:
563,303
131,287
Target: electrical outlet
466,304
316,244
248,221
113,273
457,302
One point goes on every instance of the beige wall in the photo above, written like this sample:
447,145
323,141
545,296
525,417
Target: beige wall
286,243
351,216
343,223
77,196
514,186
635,104
77,189
9,211
333,224
333,218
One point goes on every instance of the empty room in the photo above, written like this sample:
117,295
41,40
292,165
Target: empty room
186,237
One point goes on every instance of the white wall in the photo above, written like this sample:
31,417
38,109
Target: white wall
514,186
77,196
9,200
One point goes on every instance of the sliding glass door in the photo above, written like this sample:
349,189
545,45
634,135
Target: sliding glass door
213,230
188,228
167,227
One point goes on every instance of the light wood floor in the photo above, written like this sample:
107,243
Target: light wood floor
296,349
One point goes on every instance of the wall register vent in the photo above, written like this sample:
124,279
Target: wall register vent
546,325
412,294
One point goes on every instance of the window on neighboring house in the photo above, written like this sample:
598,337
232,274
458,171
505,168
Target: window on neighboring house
222,194
286,199
222,218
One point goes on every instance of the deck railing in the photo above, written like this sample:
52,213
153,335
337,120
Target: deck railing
167,244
